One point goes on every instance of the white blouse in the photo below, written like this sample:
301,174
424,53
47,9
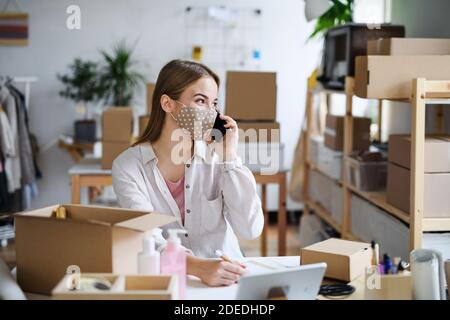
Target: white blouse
221,200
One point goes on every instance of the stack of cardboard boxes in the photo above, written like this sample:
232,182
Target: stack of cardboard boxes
117,133
437,174
251,100
391,64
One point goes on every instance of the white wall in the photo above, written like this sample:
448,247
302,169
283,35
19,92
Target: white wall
158,25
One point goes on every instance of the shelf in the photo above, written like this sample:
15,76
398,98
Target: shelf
379,199
352,237
13,42
436,224
324,215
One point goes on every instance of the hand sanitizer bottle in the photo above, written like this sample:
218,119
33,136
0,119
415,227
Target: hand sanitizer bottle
149,259
173,260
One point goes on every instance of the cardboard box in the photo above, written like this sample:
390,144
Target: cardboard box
392,287
436,191
123,287
346,260
390,77
143,121
111,150
259,131
96,239
150,90
437,152
117,124
408,46
251,95
334,133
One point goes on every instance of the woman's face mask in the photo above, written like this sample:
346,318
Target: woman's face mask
197,121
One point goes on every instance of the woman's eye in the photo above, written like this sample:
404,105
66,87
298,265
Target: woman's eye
200,101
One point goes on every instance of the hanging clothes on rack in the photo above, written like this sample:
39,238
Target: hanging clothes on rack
7,152
13,171
25,150
18,162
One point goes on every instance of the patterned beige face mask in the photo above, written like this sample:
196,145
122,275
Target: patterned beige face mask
195,120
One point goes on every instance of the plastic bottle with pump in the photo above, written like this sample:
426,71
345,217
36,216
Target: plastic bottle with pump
148,260
173,260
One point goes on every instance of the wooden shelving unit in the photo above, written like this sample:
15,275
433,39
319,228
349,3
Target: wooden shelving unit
424,92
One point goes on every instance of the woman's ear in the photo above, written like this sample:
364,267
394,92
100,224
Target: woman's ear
167,103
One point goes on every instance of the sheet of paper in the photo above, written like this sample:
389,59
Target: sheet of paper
267,265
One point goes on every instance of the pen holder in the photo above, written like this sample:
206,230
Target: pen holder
387,287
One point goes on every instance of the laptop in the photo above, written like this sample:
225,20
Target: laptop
299,283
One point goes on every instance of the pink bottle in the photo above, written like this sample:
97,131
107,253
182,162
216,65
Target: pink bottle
173,260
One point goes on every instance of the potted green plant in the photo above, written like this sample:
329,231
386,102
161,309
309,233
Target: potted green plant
340,12
82,86
118,78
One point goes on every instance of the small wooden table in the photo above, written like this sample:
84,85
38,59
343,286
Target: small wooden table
88,173
76,150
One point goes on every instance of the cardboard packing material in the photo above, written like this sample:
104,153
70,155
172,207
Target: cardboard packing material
111,150
123,287
346,260
251,95
143,121
390,77
95,239
261,131
408,46
334,133
150,90
117,124
436,155
436,191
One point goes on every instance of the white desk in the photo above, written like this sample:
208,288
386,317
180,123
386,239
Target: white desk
196,290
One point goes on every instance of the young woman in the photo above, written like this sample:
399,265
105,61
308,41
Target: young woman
175,168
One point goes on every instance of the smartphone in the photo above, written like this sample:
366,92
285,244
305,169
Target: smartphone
219,125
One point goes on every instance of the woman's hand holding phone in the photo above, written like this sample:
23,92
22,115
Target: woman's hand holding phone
226,147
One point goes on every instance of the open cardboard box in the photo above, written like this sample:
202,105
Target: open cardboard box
123,287
94,239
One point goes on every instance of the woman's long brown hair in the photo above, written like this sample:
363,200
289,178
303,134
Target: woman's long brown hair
172,80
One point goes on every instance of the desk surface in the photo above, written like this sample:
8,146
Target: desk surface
196,290
89,166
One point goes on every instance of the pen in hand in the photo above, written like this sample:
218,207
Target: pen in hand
220,255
